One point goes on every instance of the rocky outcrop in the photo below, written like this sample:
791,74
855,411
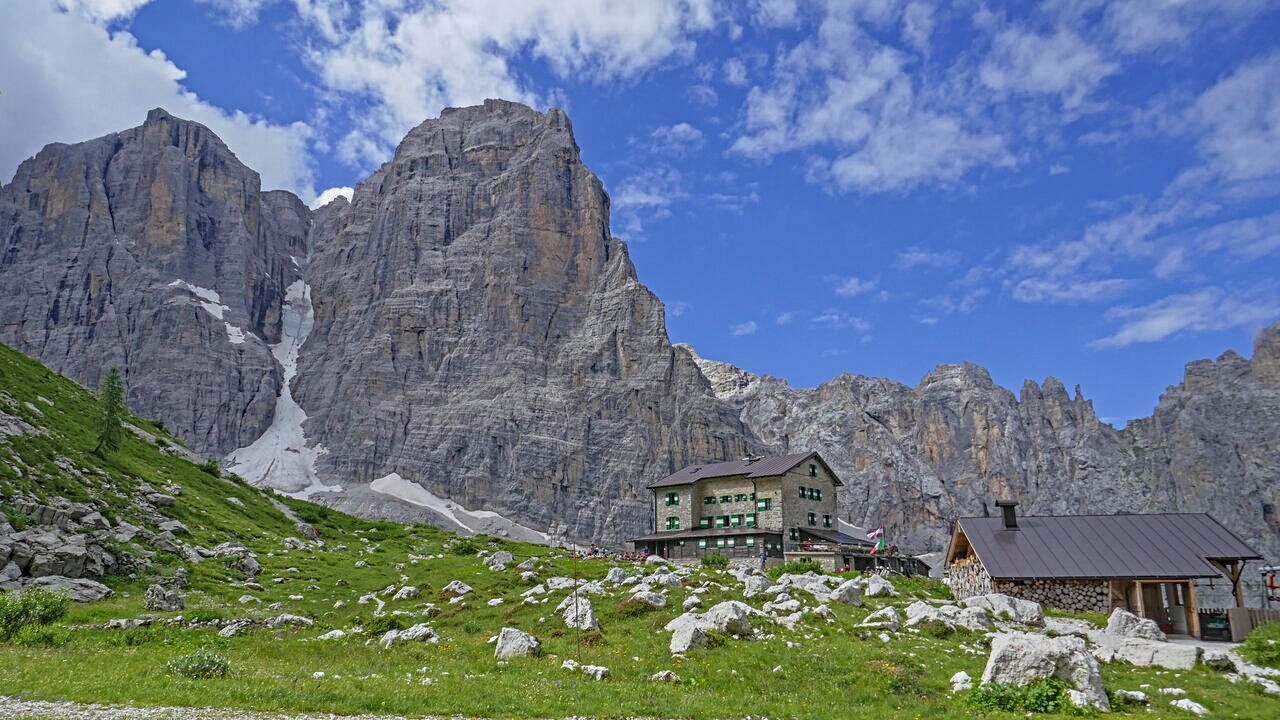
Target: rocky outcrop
480,333
153,249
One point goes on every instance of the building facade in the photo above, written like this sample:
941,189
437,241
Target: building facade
753,507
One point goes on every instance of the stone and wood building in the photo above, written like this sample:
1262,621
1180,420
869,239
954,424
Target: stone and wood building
780,507
1147,564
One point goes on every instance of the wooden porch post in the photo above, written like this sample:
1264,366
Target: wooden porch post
1137,585
1193,610
1233,570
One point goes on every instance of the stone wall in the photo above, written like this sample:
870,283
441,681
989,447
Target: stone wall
1069,595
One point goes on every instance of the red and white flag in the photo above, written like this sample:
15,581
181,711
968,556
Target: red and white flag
875,533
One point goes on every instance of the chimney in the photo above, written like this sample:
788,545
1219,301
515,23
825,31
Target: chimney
1010,514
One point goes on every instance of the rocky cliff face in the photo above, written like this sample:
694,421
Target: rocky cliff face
917,458
465,343
480,333
152,249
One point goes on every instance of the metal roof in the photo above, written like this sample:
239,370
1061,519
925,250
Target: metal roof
1167,545
837,537
762,467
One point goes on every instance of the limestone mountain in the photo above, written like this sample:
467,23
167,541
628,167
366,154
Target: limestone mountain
465,342
916,458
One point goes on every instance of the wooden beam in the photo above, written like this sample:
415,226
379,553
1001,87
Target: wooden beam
1193,610
1233,570
1137,585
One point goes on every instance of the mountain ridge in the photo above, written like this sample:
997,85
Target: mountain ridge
480,333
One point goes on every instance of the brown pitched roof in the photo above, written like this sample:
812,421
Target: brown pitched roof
763,467
1168,545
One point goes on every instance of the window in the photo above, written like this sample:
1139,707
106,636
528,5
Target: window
819,492
764,504
813,470
737,520
753,496
751,541
680,543
729,542
702,543
751,520
719,542
673,523
813,518
826,521
804,492
722,521
704,521
740,497
793,533
673,498
726,498
709,500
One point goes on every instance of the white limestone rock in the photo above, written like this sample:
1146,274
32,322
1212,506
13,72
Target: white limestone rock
754,585
408,592
1126,624
516,643
457,588
1190,706
1018,658
1004,607
849,593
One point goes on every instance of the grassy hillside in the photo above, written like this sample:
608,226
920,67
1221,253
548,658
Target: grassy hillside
824,668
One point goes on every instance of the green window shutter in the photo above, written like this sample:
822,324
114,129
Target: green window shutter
702,543
826,521
729,542
793,533
813,470
726,498
709,500
751,519
803,494
813,518
751,541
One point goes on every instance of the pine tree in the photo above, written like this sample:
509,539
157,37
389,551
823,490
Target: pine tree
110,410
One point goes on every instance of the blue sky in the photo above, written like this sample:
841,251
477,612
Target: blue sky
1087,190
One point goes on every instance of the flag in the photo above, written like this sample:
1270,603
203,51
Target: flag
880,546
875,533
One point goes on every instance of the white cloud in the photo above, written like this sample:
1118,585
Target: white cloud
852,286
1240,119
1069,291
1059,64
100,11
735,72
747,328
785,318
70,80
237,13
837,320
332,194
1142,25
850,98
646,197
409,63
917,26
676,139
1201,311
922,257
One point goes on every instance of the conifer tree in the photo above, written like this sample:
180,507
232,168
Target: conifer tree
110,412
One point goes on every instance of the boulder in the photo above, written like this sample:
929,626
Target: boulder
596,672
78,589
578,613
1190,706
1145,653
687,633
664,676
693,602
961,682
174,526
848,592
951,616
654,560
876,586
418,633
754,585
652,599
886,617
162,599
1126,624
516,643
499,560
235,627
618,576
284,619
1019,658
457,587
408,592
1004,607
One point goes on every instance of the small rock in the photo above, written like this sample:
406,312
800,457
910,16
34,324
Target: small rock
457,587
1190,706
516,643
664,676
961,682
408,592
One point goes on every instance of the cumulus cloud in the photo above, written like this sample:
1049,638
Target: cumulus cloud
332,194
676,139
849,98
410,62
838,320
852,286
101,11
1240,121
1202,311
785,318
747,328
69,79
646,197
1060,64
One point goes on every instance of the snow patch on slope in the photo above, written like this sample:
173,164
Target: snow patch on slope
280,458
211,301
470,521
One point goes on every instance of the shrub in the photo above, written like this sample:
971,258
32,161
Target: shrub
795,567
1262,647
464,547
18,519
634,608
30,608
382,623
715,560
201,664
1042,696
211,466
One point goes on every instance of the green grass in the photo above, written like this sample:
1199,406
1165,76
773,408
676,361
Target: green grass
824,670
1262,647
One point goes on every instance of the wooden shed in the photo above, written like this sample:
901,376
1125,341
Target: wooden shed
1147,564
